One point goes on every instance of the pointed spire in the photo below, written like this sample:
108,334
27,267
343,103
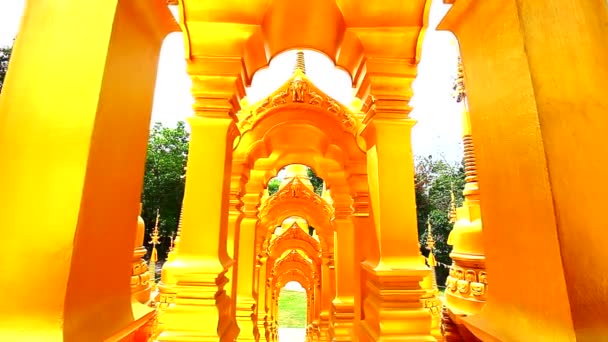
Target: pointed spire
300,63
452,210
154,254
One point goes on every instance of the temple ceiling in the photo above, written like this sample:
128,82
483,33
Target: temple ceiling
350,32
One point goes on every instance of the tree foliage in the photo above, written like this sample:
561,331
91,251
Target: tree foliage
317,182
434,181
5,56
164,180
273,185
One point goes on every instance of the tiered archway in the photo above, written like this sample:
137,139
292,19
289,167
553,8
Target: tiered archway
299,125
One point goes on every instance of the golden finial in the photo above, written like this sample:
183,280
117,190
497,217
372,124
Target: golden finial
154,254
459,90
172,237
430,244
155,236
300,63
452,210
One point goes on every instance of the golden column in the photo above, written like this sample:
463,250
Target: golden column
261,309
393,307
327,294
245,302
197,275
75,113
342,308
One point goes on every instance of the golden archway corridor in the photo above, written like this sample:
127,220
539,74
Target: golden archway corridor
73,146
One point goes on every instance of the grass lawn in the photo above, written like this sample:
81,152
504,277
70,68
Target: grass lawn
292,309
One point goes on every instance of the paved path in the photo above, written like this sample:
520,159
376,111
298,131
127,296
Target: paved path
292,334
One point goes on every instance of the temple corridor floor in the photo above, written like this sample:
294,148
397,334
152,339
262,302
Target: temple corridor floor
292,334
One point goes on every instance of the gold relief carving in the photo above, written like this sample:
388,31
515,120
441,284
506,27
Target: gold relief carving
279,99
297,233
478,289
463,286
467,282
296,189
471,276
298,90
315,99
459,274
451,283
483,278
433,304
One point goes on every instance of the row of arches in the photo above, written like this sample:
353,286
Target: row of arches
294,128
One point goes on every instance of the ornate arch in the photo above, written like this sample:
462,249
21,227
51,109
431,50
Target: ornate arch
294,238
296,199
299,93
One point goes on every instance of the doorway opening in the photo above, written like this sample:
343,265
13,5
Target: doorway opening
292,313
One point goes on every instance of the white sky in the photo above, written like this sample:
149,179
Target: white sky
438,131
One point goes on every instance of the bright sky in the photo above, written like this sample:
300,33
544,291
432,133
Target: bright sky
438,131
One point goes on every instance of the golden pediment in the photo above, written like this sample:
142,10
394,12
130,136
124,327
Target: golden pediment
295,232
295,189
301,92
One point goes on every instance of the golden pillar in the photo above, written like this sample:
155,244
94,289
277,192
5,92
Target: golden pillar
327,295
203,310
539,122
393,308
67,143
342,308
261,309
245,302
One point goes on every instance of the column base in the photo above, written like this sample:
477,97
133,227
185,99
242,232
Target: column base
261,328
245,319
312,332
342,322
324,325
393,307
196,309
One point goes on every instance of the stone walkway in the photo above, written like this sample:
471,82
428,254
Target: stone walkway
292,334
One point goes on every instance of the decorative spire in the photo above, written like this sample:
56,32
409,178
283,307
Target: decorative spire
300,63
452,210
430,244
154,254
459,90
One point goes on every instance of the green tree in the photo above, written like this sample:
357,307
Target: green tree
5,56
317,182
435,179
273,186
164,181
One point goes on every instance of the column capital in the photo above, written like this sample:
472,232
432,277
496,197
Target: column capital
386,89
251,203
217,86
